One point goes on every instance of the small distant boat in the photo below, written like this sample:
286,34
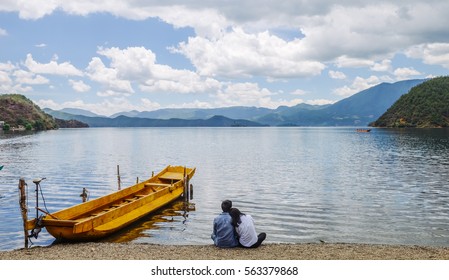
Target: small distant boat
107,214
363,130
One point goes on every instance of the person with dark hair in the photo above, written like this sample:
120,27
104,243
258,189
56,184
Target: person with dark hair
246,231
224,234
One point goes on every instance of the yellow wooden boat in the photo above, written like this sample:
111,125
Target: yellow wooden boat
107,214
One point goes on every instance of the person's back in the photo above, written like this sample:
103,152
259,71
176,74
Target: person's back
246,231
224,235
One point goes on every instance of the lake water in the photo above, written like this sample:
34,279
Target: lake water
299,184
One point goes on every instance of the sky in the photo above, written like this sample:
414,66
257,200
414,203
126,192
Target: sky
112,56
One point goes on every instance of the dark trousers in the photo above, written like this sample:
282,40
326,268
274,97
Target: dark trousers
260,238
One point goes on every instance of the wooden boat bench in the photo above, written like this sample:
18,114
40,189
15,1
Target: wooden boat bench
156,186
173,176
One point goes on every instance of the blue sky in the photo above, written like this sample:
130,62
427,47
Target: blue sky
113,56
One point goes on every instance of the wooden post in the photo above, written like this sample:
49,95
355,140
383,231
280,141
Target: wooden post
84,195
191,191
23,209
118,177
185,191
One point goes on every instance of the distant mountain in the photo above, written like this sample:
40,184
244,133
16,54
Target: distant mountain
236,112
357,110
75,111
130,114
426,105
58,114
285,116
123,121
18,110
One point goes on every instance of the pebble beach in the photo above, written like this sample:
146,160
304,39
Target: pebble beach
133,251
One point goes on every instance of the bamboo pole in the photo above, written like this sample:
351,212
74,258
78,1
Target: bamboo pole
118,177
23,209
185,190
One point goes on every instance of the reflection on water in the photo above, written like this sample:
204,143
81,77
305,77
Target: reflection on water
299,184
158,224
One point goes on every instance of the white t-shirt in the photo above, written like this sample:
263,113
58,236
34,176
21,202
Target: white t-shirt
246,231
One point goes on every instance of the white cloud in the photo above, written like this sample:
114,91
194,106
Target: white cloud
187,82
238,54
9,83
194,104
357,85
433,54
25,77
360,30
108,77
337,75
149,105
49,104
52,68
32,9
208,23
250,94
298,92
13,79
137,64
373,30
133,63
5,81
345,61
42,45
383,66
245,94
111,93
3,32
79,86
320,102
359,27
7,66
405,73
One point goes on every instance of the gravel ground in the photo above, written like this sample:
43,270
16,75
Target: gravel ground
131,251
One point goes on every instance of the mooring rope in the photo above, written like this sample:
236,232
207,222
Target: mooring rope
43,198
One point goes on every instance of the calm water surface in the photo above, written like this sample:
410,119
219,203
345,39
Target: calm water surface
299,184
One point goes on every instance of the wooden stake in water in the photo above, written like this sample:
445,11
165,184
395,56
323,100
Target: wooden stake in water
84,195
23,209
118,177
185,191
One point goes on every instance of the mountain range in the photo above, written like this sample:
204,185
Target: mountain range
357,110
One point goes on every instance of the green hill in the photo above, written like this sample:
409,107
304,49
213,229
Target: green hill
17,110
425,106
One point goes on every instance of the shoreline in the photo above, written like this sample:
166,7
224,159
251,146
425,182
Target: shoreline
269,251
